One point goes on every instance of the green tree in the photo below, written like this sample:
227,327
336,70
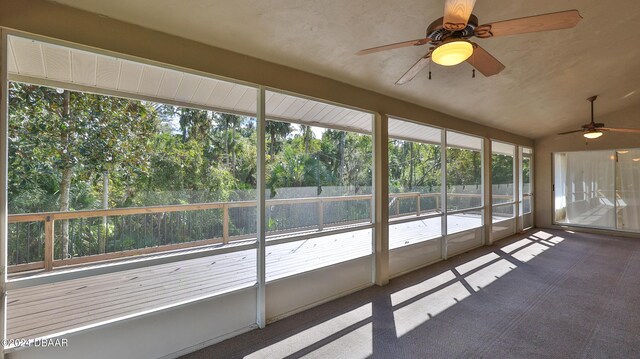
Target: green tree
78,135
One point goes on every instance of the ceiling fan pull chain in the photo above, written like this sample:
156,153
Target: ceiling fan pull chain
429,70
473,73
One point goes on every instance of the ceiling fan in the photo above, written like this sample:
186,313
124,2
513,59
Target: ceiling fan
449,36
594,130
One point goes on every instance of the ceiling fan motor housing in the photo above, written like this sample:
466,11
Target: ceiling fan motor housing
438,34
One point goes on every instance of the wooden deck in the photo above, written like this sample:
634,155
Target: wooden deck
48,309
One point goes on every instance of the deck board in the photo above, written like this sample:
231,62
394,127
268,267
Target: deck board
53,308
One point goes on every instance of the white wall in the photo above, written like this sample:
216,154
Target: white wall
161,334
293,294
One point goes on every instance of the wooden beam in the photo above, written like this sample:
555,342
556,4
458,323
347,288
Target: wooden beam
49,237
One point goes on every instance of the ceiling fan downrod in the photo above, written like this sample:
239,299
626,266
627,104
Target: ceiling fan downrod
592,99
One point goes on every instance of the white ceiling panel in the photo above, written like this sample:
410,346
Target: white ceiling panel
234,96
284,105
272,101
414,132
56,61
108,72
456,139
205,87
29,52
87,71
130,75
11,61
187,87
219,94
150,81
248,101
503,148
297,104
169,84
83,69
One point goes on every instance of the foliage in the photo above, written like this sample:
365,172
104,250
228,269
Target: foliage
158,154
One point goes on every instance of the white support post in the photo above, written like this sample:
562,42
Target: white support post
487,219
4,160
380,205
531,188
518,188
443,192
261,227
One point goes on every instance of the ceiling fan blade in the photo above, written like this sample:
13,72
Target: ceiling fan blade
413,71
485,62
627,130
397,45
456,14
568,132
554,21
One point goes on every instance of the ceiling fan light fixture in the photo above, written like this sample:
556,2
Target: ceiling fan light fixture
591,134
452,52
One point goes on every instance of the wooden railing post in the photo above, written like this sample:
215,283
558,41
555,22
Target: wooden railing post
48,243
225,224
418,204
320,214
438,204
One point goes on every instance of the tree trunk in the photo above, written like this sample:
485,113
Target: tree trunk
272,148
233,149
226,140
411,165
65,181
343,136
105,205
306,136
65,186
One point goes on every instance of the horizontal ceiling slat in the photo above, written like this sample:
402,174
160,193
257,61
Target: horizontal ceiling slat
406,130
234,96
150,82
219,94
83,68
204,90
333,115
248,101
57,62
272,102
319,115
503,148
11,61
130,75
456,139
187,87
284,105
28,57
305,109
108,72
169,84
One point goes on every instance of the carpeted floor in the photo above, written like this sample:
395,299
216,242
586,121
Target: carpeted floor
543,294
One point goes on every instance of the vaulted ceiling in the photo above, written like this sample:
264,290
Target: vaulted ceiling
542,91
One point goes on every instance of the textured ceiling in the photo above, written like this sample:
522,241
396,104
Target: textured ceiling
542,91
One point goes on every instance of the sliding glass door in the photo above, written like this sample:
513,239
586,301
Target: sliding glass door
628,189
598,189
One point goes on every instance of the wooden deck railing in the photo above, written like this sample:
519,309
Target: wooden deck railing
50,219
